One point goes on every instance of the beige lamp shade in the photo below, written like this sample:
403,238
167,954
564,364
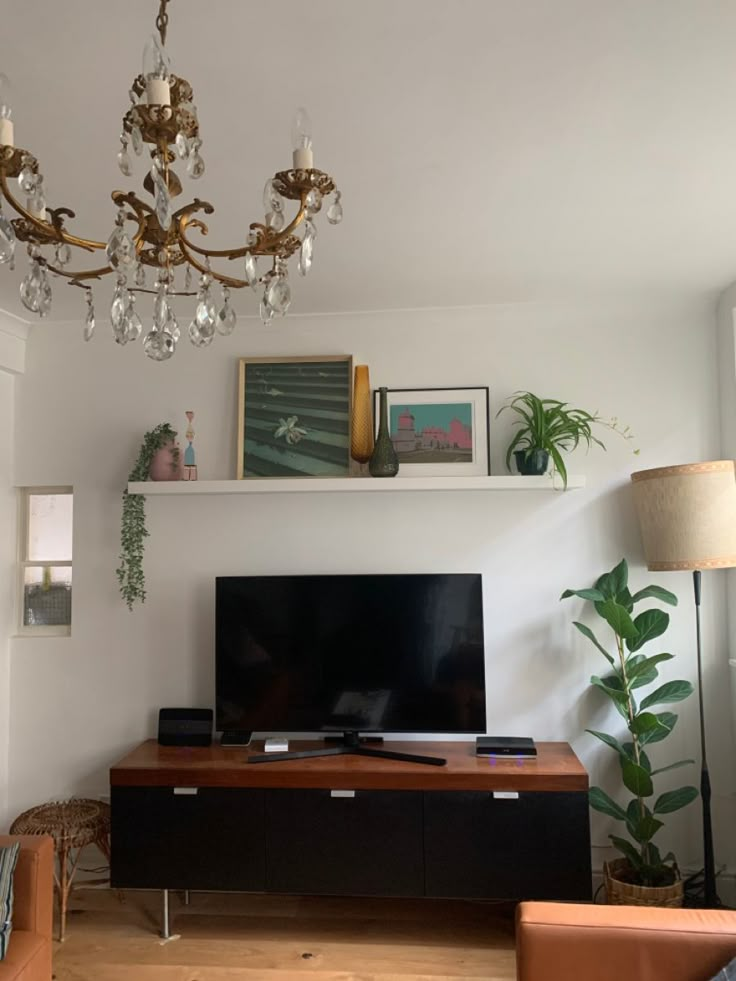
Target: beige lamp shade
687,515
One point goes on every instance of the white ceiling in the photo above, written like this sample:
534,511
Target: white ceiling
488,150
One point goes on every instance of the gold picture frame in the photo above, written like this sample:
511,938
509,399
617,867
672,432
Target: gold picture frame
294,416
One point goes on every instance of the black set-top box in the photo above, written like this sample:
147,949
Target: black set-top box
520,746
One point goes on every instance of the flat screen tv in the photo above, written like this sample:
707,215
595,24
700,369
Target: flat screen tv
350,654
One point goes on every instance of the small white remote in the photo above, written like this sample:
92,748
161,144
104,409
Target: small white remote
276,744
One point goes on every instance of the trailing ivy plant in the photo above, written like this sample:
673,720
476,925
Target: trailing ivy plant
133,530
630,672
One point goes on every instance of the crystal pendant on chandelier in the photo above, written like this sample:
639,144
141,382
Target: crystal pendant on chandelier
226,318
195,163
120,248
132,323
27,179
45,297
30,288
306,251
313,201
136,140
124,162
334,212
159,345
118,311
163,199
62,255
251,270
266,312
182,146
278,294
7,240
89,323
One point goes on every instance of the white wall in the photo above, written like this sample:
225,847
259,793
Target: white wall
12,354
81,703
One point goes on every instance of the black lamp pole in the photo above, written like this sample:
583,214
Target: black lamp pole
710,895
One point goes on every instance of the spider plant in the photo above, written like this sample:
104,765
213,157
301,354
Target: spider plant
554,427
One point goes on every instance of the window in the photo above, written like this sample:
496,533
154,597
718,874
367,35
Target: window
45,561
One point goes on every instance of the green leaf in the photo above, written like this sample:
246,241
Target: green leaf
606,585
638,665
600,801
643,758
671,691
643,723
649,624
618,619
641,823
636,779
620,577
609,741
616,694
672,766
586,594
667,722
626,600
673,800
587,632
628,850
655,592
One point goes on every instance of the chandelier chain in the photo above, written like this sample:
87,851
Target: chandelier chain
162,21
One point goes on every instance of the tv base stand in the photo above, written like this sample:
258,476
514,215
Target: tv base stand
201,819
350,745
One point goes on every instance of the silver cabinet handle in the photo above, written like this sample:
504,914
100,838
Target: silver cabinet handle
186,791
342,793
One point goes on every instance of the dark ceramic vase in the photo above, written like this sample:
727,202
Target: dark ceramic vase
533,463
384,462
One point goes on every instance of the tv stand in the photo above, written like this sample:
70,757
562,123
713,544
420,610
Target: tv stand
350,745
200,819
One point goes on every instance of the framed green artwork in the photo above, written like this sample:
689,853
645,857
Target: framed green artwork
294,416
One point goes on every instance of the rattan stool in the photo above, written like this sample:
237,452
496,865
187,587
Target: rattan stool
72,824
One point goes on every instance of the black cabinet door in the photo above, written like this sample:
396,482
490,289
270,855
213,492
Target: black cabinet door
173,838
369,844
534,846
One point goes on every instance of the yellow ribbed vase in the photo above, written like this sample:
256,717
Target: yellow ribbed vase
361,437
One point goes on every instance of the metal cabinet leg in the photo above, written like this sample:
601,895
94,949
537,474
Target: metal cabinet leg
165,933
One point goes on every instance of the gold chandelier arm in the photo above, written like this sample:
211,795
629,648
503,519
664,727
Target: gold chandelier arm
265,246
237,284
77,278
52,232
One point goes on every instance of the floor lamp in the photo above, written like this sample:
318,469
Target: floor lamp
687,516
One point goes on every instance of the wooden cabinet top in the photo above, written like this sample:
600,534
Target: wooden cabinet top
556,767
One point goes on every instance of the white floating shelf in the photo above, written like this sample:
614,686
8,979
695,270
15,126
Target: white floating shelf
352,485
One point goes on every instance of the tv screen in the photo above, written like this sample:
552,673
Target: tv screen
363,653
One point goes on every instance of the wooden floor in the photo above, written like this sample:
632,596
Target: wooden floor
113,936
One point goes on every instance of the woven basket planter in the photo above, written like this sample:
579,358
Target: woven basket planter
622,893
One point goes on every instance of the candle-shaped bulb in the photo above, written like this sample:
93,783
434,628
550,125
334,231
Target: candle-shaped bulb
6,94
6,111
301,140
156,63
156,72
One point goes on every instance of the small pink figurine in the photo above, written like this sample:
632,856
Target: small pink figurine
190,467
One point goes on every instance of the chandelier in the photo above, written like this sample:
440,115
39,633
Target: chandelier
150,249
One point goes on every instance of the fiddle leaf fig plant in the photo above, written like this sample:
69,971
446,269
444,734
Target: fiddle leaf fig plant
628,673
133,531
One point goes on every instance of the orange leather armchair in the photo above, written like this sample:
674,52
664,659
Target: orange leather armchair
568,942
28,957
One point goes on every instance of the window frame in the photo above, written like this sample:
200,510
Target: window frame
23,562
